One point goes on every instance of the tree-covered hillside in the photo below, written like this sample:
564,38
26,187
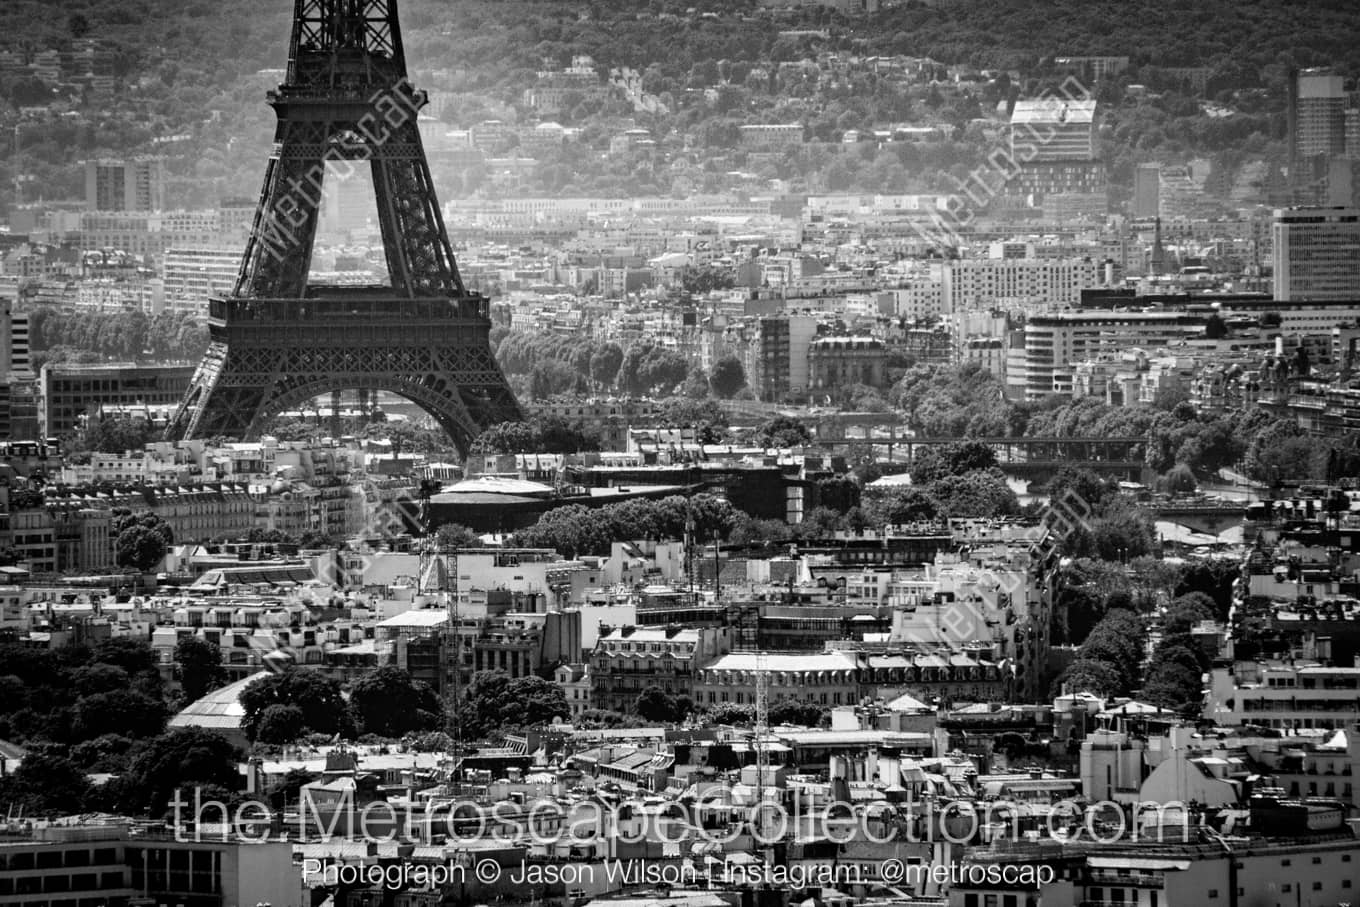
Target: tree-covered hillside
191,76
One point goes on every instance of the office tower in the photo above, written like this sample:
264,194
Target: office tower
1053,144
1316,254
1318,113
18,391
13,340
125,185
1147,187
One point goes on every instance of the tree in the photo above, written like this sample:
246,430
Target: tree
695,386
748,530
317,696
698,281
117,435
1174,676
47,782
118,712
727,376
538,434
1117,642
99,678
199,662
605,363
1187,611
655,704
801,714
783,431
388,702
455,536
1281,450
1179,480
551,377
506,438
1089,675
184,756
706,417
979,493
603,718
897,506
933,462
132,655
107,753
1078,489
495,703
140,540
730,714
280,724
289,788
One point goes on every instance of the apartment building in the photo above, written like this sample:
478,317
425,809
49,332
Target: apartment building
628,660
984,283
1054,343
1287,695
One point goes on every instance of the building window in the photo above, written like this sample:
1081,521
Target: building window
1213,893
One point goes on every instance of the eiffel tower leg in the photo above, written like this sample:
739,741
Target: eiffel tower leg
279,253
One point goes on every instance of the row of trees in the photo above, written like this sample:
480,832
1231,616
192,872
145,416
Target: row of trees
56,334
577,530
553,364
656,706
1180,444
537,434
1109,662
1177,665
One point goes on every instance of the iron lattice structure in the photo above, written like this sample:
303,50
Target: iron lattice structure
278,341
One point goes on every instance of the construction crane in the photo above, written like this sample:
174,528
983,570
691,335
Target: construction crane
761,730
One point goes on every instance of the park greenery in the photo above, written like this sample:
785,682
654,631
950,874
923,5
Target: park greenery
103,708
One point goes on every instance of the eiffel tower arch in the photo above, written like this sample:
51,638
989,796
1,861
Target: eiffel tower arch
279,340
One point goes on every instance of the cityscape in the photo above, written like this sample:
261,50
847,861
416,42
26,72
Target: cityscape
720,453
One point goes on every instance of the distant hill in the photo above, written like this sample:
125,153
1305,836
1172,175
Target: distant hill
193,68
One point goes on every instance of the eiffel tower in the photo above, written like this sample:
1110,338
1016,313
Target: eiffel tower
278,340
